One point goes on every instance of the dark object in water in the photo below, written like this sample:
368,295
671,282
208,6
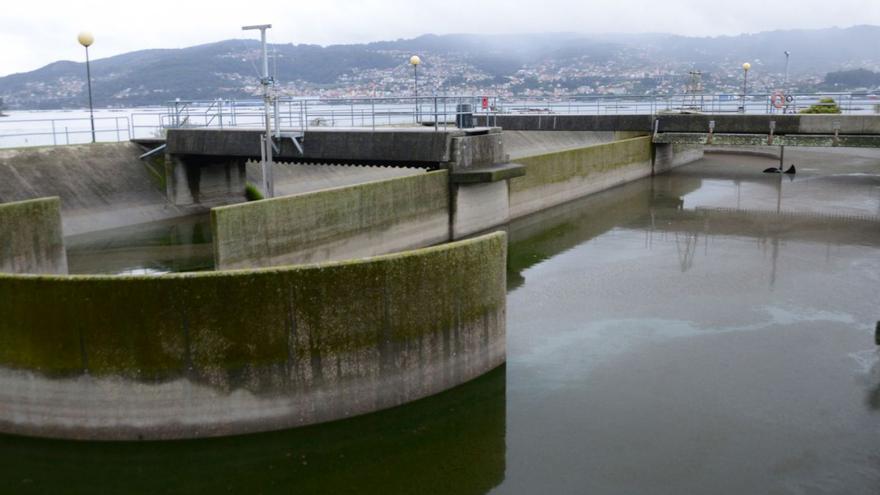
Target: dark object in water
877,334
773,170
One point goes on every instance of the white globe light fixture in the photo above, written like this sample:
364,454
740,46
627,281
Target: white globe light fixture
416,61
746,67
86,39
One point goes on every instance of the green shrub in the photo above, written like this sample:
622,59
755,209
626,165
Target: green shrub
825,105
252,193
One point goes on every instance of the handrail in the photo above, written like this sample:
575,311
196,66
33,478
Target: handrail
439,111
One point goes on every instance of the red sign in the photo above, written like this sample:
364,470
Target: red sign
485,103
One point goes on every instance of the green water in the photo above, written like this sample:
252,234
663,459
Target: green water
706,331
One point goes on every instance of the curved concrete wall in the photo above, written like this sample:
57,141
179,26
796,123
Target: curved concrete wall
208,354
555,178
333,224
519,144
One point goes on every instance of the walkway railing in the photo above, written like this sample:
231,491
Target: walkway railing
74,130
759,103
305,113
439,112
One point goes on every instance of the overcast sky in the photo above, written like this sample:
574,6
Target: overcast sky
34,34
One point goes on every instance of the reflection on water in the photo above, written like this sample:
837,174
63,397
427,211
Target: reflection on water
179,245
449,443
693,334
705,331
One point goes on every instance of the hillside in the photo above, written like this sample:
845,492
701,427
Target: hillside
502,64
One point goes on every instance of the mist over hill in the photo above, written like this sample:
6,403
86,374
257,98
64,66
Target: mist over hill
528,64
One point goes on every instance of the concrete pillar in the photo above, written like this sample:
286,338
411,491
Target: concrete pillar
206,181
478,207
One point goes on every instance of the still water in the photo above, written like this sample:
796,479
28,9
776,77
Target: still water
706,331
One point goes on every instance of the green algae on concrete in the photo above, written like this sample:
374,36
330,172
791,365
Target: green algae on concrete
31,237
361,220
319,342
555,178
582,162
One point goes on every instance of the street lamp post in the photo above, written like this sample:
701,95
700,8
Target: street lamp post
785,89
415,61
785,82
266,81
746,66
86,39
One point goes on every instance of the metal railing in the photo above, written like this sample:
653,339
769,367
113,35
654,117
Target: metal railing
439,112
757,103
74,130
305,113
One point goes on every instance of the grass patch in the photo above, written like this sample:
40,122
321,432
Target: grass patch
252,193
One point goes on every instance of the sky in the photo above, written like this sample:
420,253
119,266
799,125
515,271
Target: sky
35,34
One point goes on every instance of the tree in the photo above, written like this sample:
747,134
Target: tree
825,105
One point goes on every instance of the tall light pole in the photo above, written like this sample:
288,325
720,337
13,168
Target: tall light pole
266,81
86,39
415,61
787,59
746,66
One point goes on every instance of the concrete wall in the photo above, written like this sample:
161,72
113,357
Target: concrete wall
101,186
293,178
404,146
555,178
479,207
209,354
521,144
347,222
724,123
669,156
31,239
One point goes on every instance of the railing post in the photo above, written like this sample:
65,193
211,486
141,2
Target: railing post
373,111
436,124
54,139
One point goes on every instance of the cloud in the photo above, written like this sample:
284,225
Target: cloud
34,35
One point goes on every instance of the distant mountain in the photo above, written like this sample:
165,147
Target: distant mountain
516,63
850,79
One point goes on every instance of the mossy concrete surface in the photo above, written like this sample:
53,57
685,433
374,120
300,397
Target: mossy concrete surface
340,223
31,238
555,178
208,354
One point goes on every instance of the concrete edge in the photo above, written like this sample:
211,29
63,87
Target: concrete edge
274,269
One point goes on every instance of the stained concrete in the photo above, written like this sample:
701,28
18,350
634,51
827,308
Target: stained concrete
31,238
211,354
294,178
555,178
520,144
101,186
333,224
